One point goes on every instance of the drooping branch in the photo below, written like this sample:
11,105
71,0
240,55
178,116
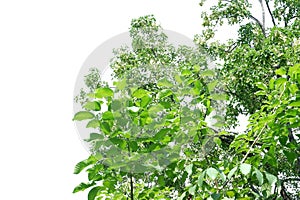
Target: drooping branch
270,12
259,23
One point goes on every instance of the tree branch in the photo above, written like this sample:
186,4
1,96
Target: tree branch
270,12
259,23
263,14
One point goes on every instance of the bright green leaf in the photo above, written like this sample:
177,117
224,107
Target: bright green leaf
83,115
93,124
139,93
95,106
104,92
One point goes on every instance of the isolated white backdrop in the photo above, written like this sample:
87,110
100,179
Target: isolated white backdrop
42,47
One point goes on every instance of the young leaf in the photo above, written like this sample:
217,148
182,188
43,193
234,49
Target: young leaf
83,115
259,176
192,190
232,171
93,124
201,178
189,169
280,71
219,97
104,92
164,83
95,106
245,168
271,178
208,72
139,93
212,173
107,115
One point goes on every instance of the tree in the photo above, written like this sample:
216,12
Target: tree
258,58
257,74
156,112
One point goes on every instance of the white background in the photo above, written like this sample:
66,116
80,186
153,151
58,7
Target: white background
42,47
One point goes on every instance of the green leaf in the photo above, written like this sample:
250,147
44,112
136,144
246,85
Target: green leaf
95,106
201,178
93,193
271,178
182,196
211,86
107,115
219,97
161,181
120,85
104,92
260,93
230,194
280,72
212,173
231,173
93,124
245,168
83,115
192,190
145,101
189,169
291,155
259,176
165,93
186,72
218,141
94,136
83,164
133,145
262,86
271,83
161,134
83,186
164,83
153,110
208,72
139,93
105,127
295,104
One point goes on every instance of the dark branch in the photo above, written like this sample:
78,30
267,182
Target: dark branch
259,23
270,12
290,179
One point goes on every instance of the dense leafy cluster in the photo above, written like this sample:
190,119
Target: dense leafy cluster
149,135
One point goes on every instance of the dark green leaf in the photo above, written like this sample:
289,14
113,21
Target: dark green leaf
93,193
